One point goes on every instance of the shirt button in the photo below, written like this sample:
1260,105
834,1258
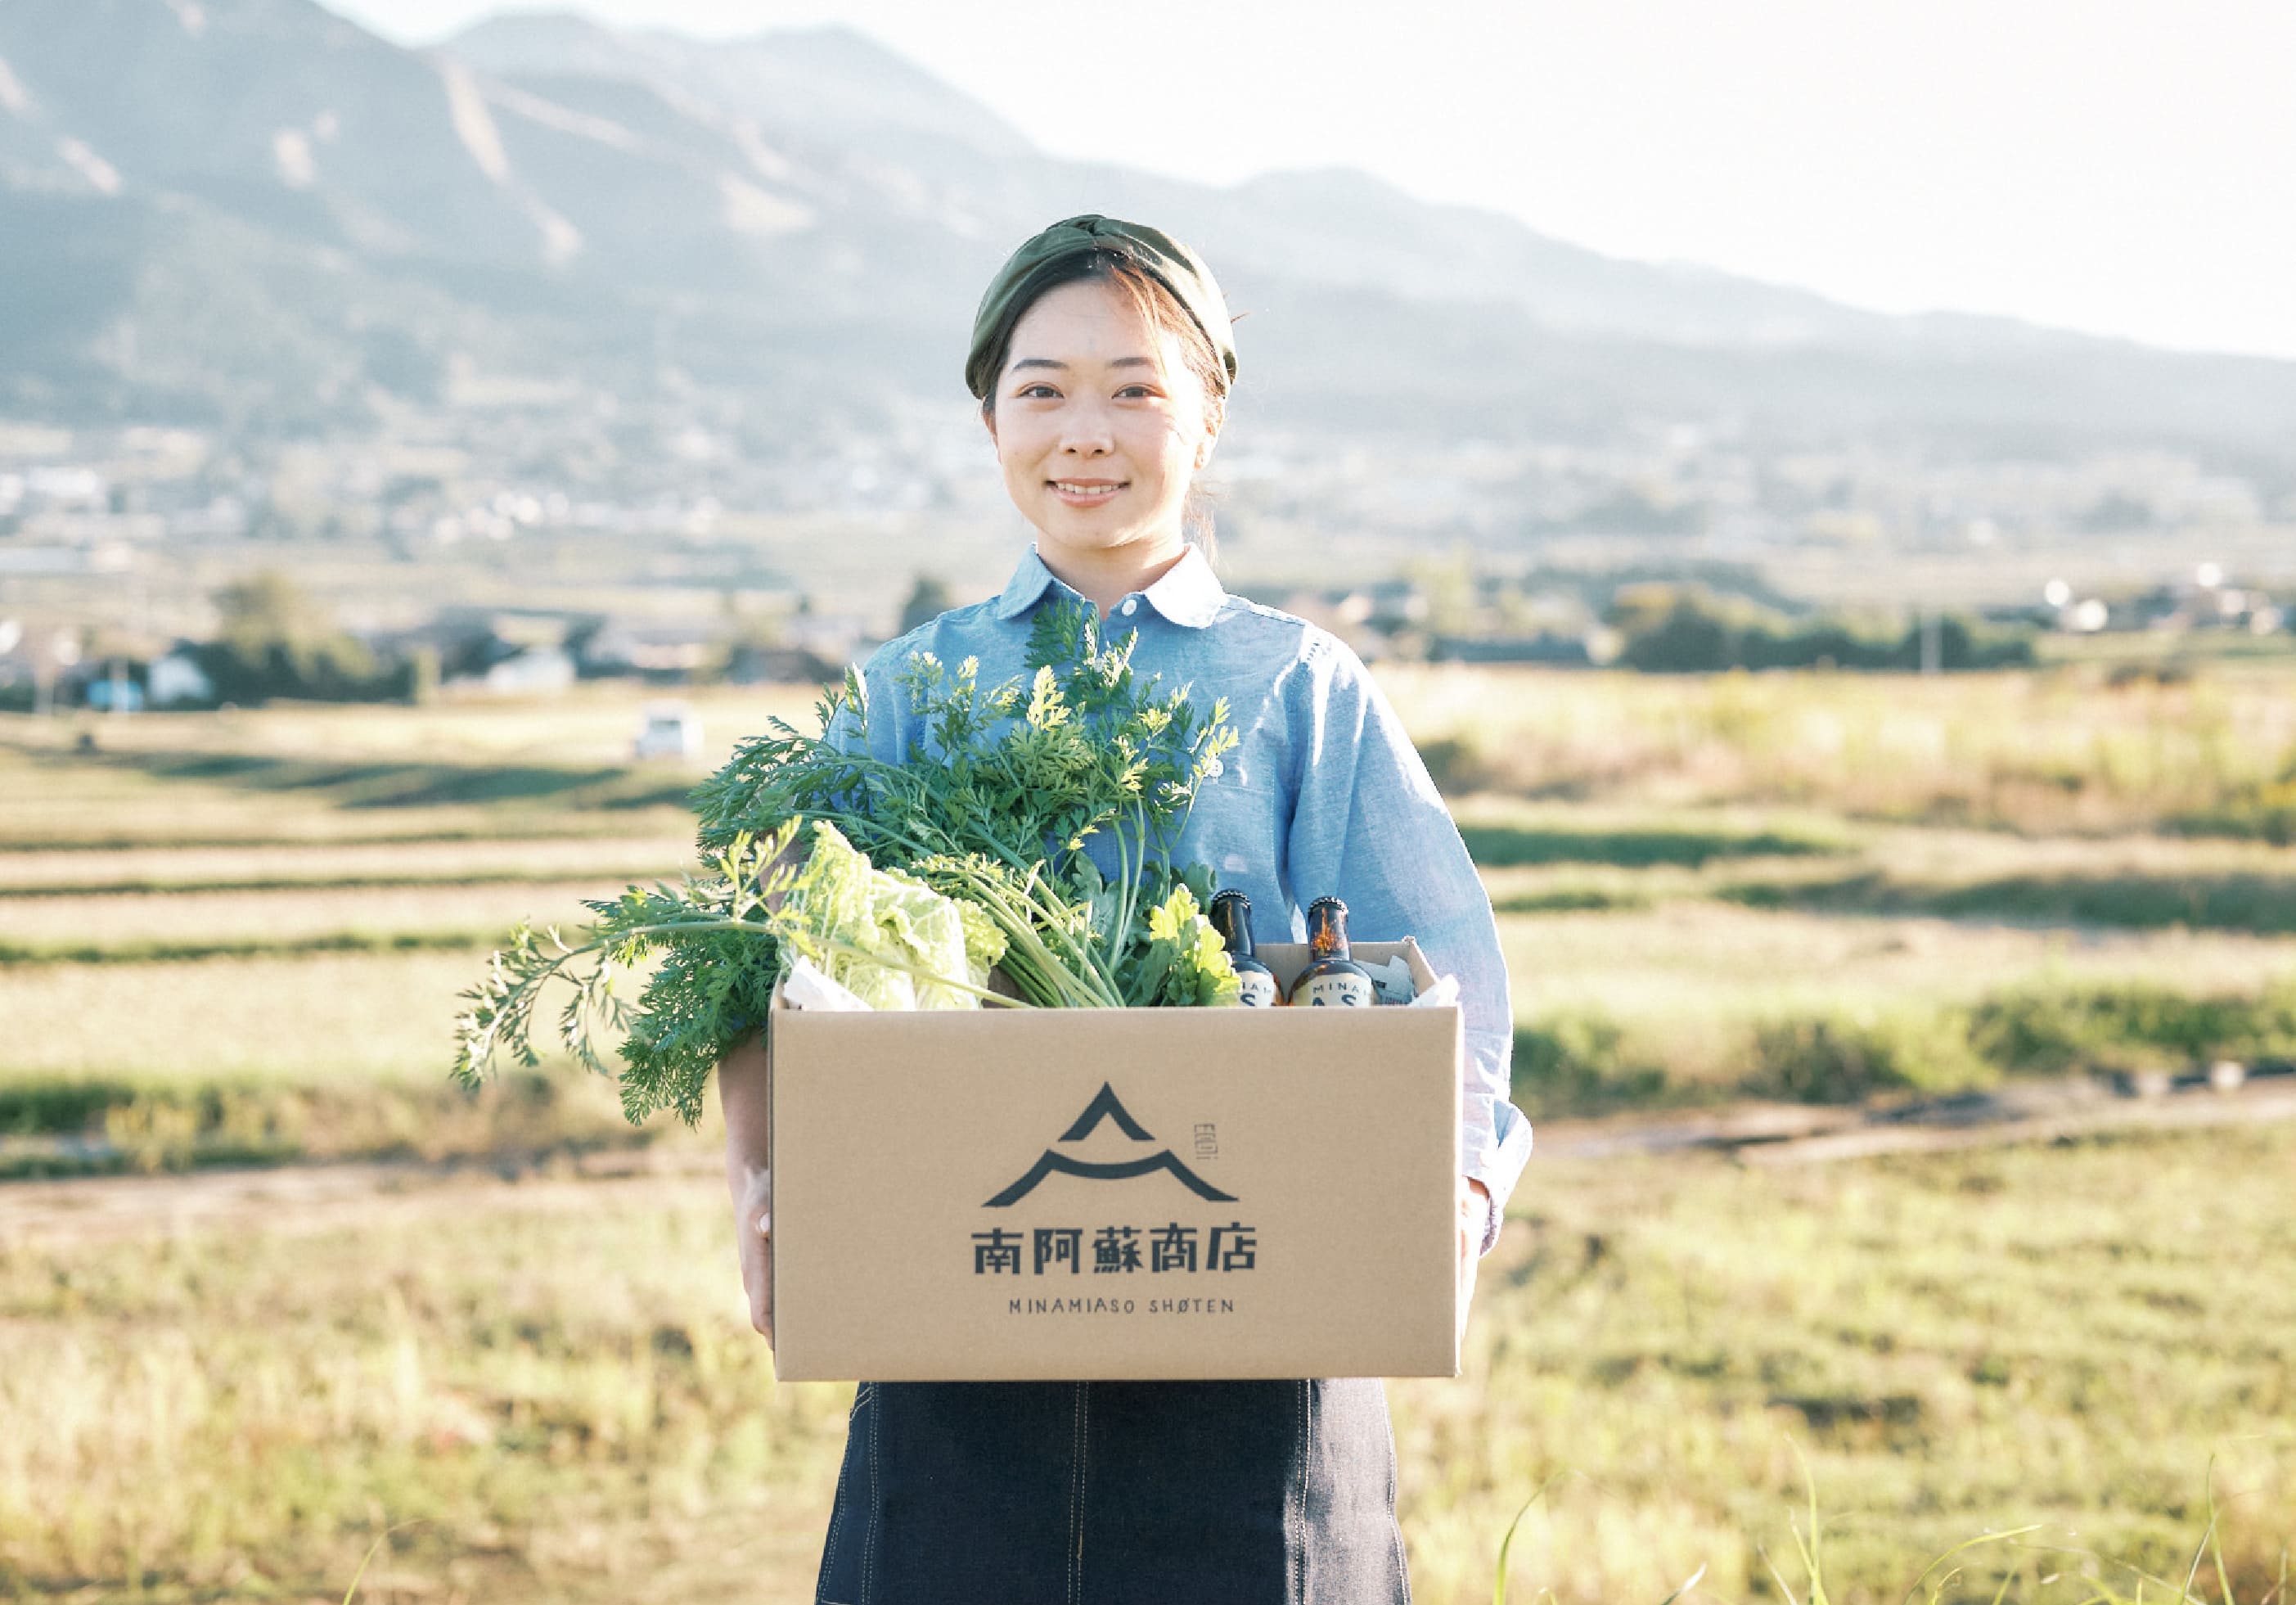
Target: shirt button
1131,606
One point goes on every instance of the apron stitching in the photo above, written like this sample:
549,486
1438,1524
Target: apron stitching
838,1501
836,1509
1298,1503
836,1520
1076,1502
876,1500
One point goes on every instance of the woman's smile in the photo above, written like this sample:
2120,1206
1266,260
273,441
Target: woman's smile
1086,492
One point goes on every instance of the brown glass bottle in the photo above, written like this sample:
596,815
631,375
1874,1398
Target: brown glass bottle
1332,979
1231,916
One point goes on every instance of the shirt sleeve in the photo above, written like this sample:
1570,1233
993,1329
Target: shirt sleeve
1368,824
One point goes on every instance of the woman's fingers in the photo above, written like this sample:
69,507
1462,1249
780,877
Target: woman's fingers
758,1274
1474,1212
753,1245
761,1307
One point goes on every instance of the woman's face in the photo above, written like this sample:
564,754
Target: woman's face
1099,423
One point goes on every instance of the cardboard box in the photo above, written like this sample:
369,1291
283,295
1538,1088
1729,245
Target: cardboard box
1091,1194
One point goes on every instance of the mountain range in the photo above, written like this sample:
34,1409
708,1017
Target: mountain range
255,214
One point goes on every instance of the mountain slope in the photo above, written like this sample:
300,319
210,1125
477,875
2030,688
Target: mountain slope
830,84
252,211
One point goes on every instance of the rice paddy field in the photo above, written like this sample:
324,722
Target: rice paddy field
522,1372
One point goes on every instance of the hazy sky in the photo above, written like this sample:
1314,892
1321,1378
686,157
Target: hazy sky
2122,166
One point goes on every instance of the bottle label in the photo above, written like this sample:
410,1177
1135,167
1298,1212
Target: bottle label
1258,988
1341,989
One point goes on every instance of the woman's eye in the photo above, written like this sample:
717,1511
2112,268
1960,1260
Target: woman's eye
1134,393
1035,392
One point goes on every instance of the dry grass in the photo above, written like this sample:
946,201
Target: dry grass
132,797
563,1402
304,1019
2052,750
1960,1344
1689,980
567,1405
43,817
288,916
593,724
610,858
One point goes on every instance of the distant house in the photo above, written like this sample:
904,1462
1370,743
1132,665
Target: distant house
1571,650
176,681
469,644
833,637
113,694
781,666
534,672
133,680
1349,614
19,672
651,650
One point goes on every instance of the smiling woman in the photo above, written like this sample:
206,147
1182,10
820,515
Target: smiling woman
1102,358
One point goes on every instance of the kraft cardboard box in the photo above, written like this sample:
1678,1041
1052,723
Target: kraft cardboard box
1105,1194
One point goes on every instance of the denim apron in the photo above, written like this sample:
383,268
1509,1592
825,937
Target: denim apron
1116,1494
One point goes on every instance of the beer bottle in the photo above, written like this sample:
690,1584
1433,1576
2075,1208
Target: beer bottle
1231,916
1332,979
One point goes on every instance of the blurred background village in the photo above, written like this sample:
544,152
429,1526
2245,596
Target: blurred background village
421,459
570,352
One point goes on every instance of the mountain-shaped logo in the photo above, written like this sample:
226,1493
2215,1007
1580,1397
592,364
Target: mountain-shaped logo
1106,1106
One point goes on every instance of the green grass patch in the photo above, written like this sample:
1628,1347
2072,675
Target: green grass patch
2264,813
2045,1031
1512,846
58,1126
383,782
1847,1058
1572,899
1585,1062
508,826
412,880
193,950
2236,900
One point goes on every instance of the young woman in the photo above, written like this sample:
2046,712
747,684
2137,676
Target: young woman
1102,355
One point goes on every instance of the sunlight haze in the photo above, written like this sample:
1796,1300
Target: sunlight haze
2118,169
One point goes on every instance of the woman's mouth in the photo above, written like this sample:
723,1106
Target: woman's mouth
1086,493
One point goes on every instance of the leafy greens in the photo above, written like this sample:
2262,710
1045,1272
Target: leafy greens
988,815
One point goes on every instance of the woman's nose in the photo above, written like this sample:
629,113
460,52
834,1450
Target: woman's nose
1085,433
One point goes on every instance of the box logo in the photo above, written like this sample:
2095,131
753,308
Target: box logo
1106,1106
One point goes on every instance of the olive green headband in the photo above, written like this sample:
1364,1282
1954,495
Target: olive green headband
1156,253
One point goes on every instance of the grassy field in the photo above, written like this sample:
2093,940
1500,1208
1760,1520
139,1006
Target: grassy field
542,1397
2074,749
241,937
1818,886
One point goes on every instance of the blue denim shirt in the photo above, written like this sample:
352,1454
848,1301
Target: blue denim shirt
1323,793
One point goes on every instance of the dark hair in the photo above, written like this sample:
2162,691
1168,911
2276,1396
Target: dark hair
1163,310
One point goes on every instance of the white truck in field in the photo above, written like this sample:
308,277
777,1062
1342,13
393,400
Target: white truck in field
669,730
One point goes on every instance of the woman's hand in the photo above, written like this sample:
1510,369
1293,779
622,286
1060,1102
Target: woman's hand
741,1090
753,1207
1474,1215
